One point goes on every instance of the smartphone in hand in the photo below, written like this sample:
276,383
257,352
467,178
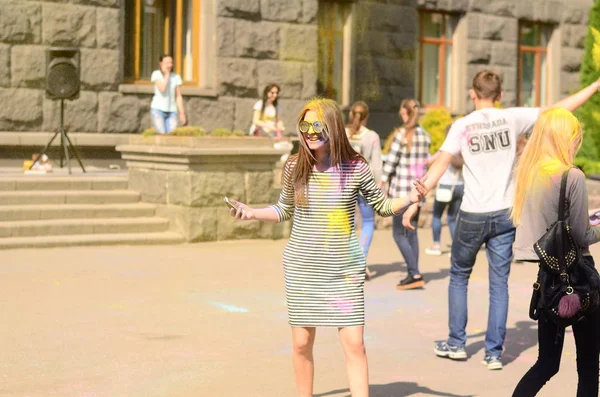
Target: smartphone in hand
230,204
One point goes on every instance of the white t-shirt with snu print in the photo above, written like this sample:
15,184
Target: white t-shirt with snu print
487,140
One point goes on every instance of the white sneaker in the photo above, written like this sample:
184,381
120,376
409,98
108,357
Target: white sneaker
433,251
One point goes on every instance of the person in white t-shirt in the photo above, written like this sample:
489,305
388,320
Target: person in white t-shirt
487,140
266,120
167,104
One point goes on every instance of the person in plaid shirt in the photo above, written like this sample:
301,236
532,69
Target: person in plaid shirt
407,160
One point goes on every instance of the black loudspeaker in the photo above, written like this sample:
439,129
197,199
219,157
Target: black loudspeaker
62,73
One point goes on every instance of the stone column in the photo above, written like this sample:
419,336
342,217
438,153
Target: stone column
189,177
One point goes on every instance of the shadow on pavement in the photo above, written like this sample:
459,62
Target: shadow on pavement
518,339
382,269
439,275
397,389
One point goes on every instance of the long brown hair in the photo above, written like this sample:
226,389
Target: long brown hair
356,123
340,150
265,96
411,106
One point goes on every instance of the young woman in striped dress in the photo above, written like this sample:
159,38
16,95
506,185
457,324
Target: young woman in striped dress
324,265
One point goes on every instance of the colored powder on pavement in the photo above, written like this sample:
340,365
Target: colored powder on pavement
229,308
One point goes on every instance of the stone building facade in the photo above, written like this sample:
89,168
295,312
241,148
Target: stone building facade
245,44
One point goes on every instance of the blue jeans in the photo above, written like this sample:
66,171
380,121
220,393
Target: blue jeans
497,231
367,216
408,243
453,207
164,122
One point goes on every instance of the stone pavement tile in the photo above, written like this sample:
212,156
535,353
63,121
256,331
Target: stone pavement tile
210,320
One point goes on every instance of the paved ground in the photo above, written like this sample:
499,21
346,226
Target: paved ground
210,320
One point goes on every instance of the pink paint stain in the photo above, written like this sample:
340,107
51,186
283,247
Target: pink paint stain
344,306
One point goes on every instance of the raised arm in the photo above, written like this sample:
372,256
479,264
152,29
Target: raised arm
282,211
579,98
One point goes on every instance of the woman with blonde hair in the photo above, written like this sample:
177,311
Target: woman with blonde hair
550,151
405,163
324,266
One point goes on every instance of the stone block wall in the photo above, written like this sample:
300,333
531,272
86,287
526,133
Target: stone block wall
264,41
257,42
493,37
27,28
188,183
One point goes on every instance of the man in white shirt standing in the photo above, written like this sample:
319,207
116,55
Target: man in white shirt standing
487,140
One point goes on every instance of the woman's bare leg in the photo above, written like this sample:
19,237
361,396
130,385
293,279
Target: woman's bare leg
303,340
356,360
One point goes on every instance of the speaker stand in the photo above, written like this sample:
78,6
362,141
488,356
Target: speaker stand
64,140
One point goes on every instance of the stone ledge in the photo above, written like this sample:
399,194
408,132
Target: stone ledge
85,139
148,89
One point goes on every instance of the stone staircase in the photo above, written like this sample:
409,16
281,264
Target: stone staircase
60,210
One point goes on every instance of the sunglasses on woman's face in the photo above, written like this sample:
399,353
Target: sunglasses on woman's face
318,128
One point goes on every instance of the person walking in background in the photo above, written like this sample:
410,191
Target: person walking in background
549,153
367,143
266,120
323,264
487,139
167,104
449,194
406,162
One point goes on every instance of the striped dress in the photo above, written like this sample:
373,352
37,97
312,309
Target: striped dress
323,263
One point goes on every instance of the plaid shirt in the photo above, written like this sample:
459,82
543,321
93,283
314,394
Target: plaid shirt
401,167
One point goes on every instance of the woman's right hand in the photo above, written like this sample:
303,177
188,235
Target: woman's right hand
243,212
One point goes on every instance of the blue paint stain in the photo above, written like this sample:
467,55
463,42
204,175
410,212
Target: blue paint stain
229,308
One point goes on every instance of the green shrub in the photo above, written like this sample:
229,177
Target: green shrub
239,133
179,131
435,122
149,132
221,132
588,166
188,131
588,113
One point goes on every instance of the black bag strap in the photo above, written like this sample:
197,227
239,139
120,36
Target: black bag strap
561,199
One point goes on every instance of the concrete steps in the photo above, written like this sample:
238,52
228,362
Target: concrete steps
91,239
56,210
74,211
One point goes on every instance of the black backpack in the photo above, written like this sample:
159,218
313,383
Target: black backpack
567,286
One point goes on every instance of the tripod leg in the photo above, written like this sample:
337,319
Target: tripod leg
65,150
44,149
75,152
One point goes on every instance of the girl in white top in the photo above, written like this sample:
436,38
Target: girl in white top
266,120
367,143
453,180
167,104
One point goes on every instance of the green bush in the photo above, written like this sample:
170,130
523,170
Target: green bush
588,113
221,132
149,132
435,122
179,131
588,166
188,131
195,131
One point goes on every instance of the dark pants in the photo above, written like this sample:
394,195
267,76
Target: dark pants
550,350
438,210
408,243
